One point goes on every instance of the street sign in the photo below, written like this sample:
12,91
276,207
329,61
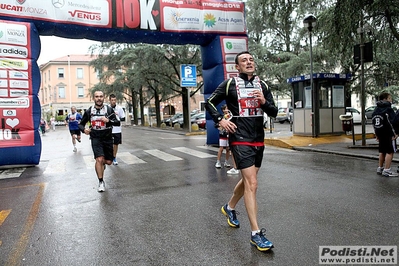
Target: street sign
188,75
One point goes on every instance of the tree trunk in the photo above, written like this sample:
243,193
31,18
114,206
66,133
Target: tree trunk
157,110
135,108
142,107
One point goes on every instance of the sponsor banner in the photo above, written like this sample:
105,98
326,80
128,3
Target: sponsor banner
190,19
19,93
230,67
9,112
3,73
156,15
15,102
91,13
8,63
229,58
13,51
19,74
231,46
16,130
13,33
22,84
15,66
13,135
3,83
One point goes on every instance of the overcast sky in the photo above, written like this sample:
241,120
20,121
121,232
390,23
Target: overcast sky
55,47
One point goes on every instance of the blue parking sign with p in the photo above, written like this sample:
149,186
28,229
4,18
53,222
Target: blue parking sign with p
188,75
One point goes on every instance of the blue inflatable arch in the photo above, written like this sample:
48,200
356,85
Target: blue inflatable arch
218,26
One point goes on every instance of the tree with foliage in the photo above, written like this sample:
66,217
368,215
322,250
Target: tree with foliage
377,19
279,42
147,71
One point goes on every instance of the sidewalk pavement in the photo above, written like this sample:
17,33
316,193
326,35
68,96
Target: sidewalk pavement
281,136
341,144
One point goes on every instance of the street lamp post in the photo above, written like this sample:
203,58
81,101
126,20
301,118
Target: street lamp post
310,22
360,30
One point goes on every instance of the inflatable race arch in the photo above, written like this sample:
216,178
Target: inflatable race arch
217,26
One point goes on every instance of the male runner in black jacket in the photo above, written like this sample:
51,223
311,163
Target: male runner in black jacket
102,118
247,97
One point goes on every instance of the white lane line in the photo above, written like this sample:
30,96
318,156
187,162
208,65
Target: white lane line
163,155
192,152
89,161
129,158
208,147
11,173
56,166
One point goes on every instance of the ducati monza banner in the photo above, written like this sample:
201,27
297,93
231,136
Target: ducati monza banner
154,15
16,119
20,141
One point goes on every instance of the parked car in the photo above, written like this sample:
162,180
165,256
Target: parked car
284,114
194,117
369,111
357,118
172,118
199,119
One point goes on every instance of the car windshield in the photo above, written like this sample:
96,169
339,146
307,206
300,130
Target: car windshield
353,110
176,116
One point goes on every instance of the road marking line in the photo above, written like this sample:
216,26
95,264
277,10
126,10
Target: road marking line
209,148
11,173
129,158
163,155
56,166
192,152
3,217
18,251
89,161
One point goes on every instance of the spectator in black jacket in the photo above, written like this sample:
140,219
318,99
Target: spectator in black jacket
384,120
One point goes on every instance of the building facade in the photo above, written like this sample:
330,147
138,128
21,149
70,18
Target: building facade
66,82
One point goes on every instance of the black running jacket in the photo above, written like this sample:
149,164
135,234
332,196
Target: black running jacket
249,130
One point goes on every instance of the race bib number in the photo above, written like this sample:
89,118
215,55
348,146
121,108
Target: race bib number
72,118
97,124
249,103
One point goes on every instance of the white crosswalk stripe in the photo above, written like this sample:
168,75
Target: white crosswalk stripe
56,166
209,148
129,158
89,161
195,153
11,173
163,155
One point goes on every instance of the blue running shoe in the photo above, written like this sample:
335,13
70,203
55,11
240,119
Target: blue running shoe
231,217
260,241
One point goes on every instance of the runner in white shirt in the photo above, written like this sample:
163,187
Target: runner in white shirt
116,130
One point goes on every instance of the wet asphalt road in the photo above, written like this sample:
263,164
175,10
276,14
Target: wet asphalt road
167,211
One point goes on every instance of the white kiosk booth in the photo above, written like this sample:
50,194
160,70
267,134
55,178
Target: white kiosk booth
329,103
